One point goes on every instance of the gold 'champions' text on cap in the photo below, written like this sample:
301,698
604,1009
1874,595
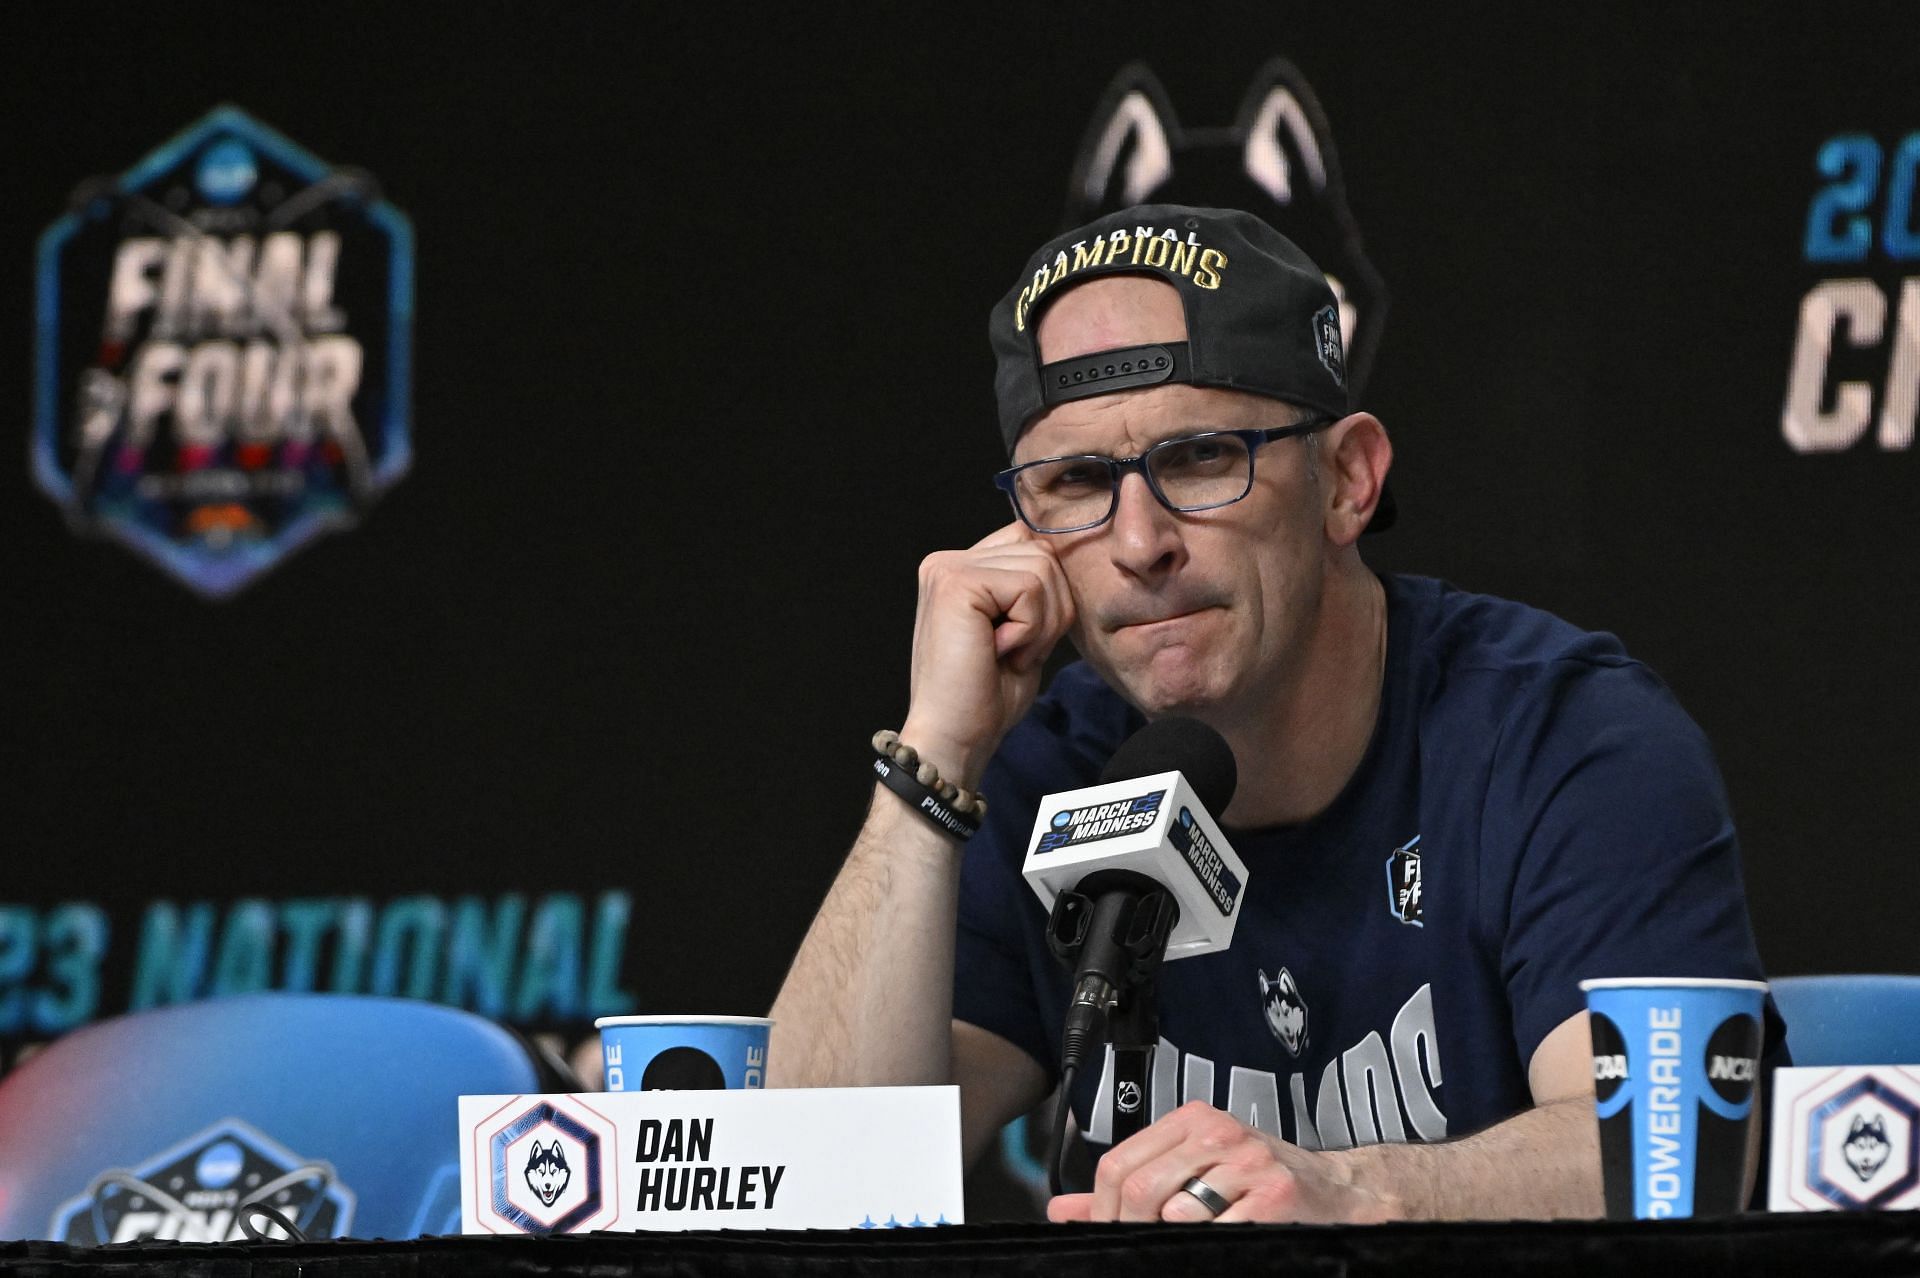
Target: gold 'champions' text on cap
1143,246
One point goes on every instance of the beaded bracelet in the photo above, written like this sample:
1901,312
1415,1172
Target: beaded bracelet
903,771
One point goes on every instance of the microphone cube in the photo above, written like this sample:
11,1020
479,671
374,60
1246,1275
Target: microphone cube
1152,825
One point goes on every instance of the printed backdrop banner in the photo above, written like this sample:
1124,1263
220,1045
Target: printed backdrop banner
674,322
192,315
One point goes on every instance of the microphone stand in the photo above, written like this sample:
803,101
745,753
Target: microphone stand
1111,932
1134,1030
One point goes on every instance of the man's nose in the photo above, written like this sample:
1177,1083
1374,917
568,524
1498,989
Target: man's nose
1145,536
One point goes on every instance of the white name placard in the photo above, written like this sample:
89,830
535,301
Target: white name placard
1845,1139
820,1158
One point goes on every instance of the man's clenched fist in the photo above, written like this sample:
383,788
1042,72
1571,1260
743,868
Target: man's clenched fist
988,618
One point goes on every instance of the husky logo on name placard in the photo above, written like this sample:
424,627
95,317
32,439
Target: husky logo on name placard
1403,883
1861,1145
549,1168
1276,160
1866,1146
221,352
547,1171
1285,1010
193,1192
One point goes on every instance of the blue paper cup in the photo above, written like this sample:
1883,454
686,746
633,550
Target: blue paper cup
683,1053
1675,1065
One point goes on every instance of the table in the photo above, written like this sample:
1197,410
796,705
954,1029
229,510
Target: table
1831,1244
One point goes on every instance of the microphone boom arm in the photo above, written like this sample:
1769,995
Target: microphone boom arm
1111,931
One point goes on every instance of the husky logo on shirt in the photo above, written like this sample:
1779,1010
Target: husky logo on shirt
1285,1010
1403,882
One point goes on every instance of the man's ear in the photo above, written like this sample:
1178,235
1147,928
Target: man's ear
1355,455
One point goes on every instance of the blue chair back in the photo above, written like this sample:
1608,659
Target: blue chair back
1851,1020
338,1111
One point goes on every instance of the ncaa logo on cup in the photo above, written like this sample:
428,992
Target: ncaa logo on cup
549,1168
1731,1069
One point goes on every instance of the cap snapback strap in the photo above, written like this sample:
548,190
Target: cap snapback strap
1119,369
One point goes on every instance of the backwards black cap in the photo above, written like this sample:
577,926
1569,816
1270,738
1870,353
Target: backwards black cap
1260,316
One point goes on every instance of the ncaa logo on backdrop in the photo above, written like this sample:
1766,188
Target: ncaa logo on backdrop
549,1168
222,344
193,1192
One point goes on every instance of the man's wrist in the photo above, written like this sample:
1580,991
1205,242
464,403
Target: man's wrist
956,811
955,760
901,829
1397,1176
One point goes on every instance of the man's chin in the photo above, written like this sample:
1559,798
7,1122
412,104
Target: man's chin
1159,679
1158,694
1189,707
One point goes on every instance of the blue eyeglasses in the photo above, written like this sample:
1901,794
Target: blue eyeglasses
1189,473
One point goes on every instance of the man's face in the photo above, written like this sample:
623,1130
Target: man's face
1203,613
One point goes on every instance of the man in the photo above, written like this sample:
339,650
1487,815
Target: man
1452,808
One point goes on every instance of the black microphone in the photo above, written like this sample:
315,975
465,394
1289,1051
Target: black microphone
1111,929
1182,745
1131,860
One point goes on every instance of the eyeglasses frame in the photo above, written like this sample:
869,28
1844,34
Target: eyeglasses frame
1117,468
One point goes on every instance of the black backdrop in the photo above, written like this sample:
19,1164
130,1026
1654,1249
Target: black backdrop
559,657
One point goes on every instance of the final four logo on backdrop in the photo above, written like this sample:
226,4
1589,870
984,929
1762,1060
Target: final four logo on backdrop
222,340
194,1192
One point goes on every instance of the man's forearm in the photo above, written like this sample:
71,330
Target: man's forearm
869,998
1542,1163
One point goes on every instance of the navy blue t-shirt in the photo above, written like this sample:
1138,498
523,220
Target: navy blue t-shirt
1533,809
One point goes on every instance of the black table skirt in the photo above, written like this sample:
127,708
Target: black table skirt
1823,1245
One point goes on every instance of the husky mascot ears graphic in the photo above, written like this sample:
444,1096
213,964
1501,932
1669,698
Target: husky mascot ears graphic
1276,161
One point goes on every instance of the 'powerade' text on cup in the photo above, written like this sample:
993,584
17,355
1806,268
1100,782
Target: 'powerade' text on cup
1674,1066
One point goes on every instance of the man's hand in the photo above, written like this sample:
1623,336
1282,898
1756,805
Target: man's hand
1539,1164
988,618
1261,1177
